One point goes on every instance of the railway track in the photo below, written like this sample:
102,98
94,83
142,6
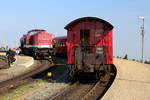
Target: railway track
9,88
16,81
87,91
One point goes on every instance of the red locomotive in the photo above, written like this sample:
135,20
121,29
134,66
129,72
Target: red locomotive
89,46
59,44
37,43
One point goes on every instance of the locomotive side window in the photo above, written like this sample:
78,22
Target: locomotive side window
84,37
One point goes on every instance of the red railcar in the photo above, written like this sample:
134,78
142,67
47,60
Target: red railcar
37,43
89,45
59,45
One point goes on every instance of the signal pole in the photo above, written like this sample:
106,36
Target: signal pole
142,33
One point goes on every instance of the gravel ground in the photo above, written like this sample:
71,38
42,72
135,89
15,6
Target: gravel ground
132,81
61,82
18,68
23,61
44,93
42,89
1,53
37,90
47,90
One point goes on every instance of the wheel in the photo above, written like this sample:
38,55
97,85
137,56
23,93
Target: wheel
72,73
108,68
97,75
35,55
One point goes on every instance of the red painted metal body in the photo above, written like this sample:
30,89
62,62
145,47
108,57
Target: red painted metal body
37,39
37,43
100,33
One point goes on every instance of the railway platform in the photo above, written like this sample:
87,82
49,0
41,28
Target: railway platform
19,67
132,81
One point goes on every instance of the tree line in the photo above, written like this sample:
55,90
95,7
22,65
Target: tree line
126,58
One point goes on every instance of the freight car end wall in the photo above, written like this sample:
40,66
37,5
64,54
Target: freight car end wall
100,33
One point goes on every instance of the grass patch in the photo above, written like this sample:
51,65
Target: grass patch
22,90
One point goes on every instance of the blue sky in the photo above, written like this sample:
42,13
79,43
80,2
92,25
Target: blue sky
19,16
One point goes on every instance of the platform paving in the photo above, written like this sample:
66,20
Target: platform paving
20,66
132,81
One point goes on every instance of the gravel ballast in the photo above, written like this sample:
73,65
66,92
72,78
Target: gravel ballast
44,93
43,89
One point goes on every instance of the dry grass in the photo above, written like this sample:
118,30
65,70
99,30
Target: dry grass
22,90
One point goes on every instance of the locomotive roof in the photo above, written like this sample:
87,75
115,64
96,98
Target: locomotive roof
60,37
88,18
36,30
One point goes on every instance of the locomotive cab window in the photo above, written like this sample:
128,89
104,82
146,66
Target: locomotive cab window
84,37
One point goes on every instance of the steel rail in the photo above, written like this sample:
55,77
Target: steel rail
42,65
89,91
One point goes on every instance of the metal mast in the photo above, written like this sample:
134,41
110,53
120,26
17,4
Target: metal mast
142,33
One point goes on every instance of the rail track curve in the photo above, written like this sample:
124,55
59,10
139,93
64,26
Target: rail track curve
87,91
42,65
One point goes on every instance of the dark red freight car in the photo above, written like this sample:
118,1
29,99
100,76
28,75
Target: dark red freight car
89,45
59,45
